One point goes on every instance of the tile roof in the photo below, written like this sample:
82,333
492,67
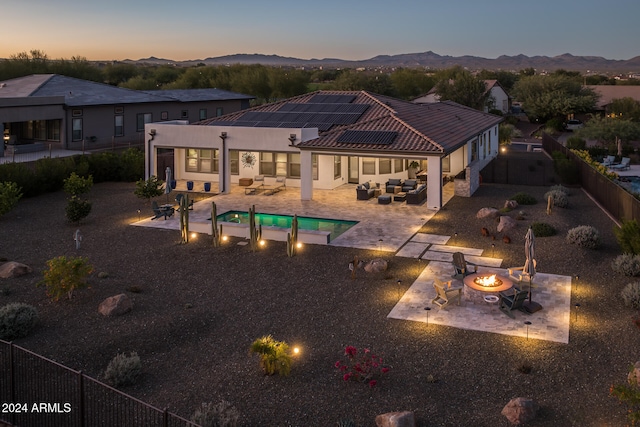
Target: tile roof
610,92
440,128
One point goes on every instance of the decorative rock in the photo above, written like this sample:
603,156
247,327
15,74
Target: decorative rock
115,305
520,410
510,204
13,269
396,419
488,213
506,223
634,375
377,265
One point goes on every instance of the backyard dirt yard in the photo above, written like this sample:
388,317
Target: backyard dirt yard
199,308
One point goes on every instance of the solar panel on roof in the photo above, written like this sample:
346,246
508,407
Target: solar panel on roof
323,108
335,99
367,137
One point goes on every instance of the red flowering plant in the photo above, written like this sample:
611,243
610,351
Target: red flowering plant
362,366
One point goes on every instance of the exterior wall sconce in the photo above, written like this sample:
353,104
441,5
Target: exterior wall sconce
223,135
292,138
152,133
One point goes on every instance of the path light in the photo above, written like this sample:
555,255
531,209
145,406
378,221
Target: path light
262,243
493,246
299,245
427,309
399,285
296,351
577,277
577,307
138,214
380,245
527,323
225,238
194,235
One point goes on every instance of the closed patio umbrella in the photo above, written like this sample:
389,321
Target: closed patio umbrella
167,178
530,268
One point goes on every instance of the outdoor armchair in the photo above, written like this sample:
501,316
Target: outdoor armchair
512,300
461,267
446,293
161,211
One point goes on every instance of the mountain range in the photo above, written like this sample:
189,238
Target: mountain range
429,59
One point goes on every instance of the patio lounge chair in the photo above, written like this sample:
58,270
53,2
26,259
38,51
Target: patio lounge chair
179,198
461,267
446,293
280,184
512,300
608,161
258,185
517,274
624,164
161,211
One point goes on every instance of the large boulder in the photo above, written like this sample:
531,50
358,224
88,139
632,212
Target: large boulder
520,410
115,305
506,223
396,419
13,269
377,265
488,213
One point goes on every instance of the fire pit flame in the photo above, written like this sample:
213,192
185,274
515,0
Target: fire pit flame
488,281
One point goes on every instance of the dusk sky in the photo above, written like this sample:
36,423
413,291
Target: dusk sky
345,29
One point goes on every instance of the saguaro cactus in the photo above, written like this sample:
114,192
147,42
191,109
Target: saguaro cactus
255,234
292,237
217,235
184,219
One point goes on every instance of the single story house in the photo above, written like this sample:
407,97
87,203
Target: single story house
609,93
498,97
324,139
75,114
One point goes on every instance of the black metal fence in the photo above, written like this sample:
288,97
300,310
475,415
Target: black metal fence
38,392
620,204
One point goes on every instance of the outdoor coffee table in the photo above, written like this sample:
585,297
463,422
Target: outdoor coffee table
478,293
400,197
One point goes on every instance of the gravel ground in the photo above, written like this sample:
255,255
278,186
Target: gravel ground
200,308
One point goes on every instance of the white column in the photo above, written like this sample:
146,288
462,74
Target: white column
434,182
225,172
306,175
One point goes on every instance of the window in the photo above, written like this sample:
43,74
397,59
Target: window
202,113
446,164
398,165
184,114
314,166
337,167
40,130
385,166
266,164
164,115
141,120
294,165
234,162
118,126
53,130
281,164
76,129
203,161
368,166
474,150
219,111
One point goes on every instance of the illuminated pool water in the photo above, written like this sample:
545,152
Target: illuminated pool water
335,227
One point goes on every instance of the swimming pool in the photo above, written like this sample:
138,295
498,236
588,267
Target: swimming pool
335,227
631,183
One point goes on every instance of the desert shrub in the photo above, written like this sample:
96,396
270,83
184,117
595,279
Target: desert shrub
123,370
64,275
131,165
631,295
561,188
148,189
77,209
274,355
76,184
628,236
576,143
222,414
627,264
10,194
104,166
542,229
22,176
51,172
584,236
17,320
559,198
523,198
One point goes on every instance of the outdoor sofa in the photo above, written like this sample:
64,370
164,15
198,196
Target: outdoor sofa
392,184
409,184
364,191
417,196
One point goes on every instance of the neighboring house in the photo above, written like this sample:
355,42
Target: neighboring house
326,139
70,113
608,93
498,98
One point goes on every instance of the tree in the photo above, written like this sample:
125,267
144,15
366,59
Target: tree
149,189
409,83
610,132
557,96
64,275
625,108
506,132
10,194
77,207
465,89
76,185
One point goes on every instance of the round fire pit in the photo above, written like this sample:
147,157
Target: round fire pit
477,286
